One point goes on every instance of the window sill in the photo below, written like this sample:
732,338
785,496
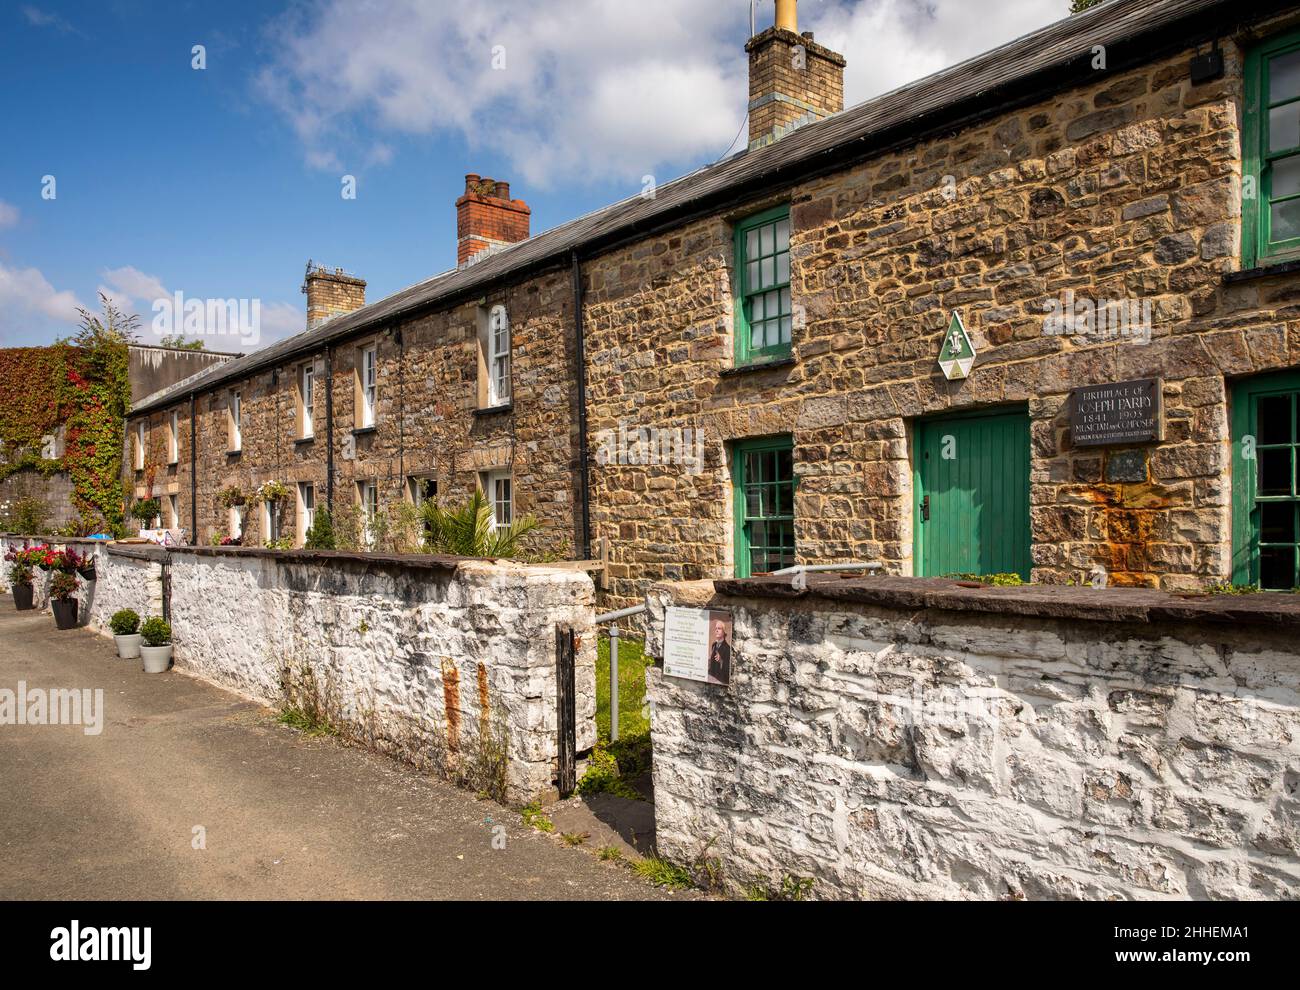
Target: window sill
365,431
304,441
235,453
1290,267
495,410
745,369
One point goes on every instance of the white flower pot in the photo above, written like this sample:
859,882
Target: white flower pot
128,647
156,658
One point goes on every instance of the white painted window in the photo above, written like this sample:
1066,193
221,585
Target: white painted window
139,446
368,495
306,509
306,385
271,520
499,488
236,422
498,356
173,512
174,439
236,521
369,387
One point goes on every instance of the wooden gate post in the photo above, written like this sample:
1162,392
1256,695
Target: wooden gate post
566,704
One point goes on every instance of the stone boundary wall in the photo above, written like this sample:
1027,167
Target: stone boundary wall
448,664
899,738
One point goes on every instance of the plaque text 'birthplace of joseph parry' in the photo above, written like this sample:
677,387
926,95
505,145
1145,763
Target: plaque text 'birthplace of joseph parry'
1124,412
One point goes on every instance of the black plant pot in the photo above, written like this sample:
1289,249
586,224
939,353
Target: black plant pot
65,613
24,597
87,573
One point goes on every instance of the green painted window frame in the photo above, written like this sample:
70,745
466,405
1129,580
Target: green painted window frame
1257,246
1247,504
746,293
740,482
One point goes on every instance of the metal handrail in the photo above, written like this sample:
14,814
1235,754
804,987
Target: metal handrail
800,573
613,617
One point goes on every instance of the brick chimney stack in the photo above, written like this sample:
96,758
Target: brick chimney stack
488,219
792,80
331,293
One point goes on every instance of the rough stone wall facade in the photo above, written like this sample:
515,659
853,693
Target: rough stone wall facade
910,753
448,666
1126,187
428,423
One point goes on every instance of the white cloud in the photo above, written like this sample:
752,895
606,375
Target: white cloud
26,293
591,88
43,19
8,214
135,291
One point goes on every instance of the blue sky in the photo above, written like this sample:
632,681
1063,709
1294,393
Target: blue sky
223,182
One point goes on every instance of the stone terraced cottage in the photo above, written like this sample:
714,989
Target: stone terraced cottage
1037,313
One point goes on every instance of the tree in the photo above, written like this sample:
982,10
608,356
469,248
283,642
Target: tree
1079,6
320,535
179,343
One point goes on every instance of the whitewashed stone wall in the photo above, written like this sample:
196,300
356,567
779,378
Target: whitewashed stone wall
124,578
449,666
891,753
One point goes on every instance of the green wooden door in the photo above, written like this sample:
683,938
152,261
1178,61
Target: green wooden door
971,478
1265,483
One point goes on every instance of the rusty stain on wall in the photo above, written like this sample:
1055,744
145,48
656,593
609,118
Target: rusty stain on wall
451,701
484,709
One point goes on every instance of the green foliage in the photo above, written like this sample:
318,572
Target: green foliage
575,838
125,622
1079,6
1228,588
662,873
156,631
179,343
27,515
97,394
320,534
231,496
791,888
609,854
467,531
146,510
534,817
311,723
603,777
996,580
283,543
63,586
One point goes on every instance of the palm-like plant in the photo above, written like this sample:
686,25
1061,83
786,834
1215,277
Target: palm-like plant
468,531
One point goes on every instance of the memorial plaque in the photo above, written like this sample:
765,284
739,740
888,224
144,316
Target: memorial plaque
1122,413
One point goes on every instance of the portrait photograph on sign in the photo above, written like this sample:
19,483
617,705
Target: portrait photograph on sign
698,645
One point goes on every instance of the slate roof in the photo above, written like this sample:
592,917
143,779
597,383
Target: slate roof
1026,69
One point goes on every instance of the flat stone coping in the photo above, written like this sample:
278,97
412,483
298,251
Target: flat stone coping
427,562
1043,601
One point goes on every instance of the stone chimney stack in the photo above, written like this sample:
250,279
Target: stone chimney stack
487,219
331,293
792,80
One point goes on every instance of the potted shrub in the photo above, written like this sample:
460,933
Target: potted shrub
20,580
146,511
63,587
157,648
126,633
43,556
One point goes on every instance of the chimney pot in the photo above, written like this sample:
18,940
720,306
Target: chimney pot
793,81
488,219
331,293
